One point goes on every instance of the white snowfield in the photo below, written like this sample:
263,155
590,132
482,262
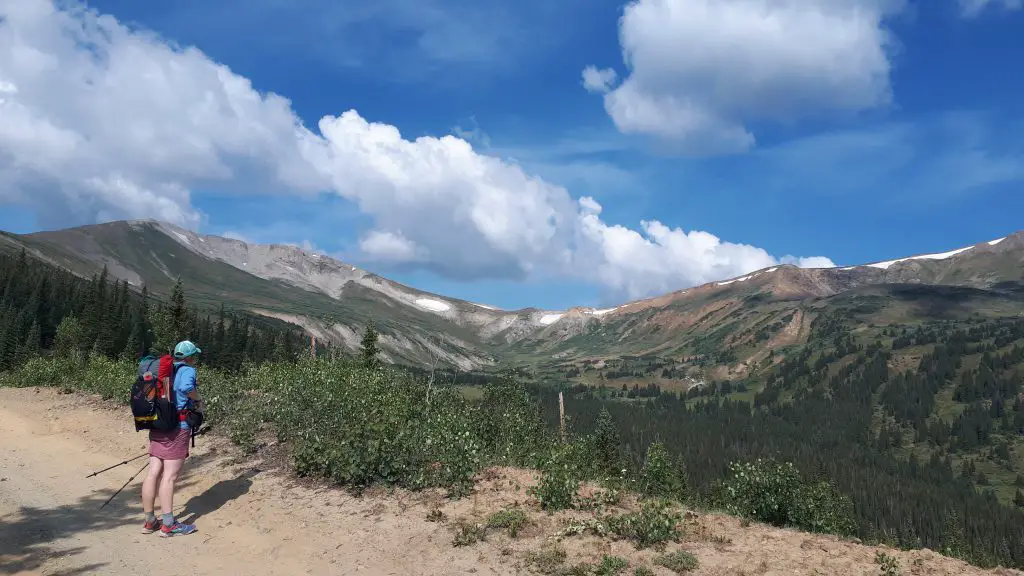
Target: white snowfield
940,256
433,305
549,319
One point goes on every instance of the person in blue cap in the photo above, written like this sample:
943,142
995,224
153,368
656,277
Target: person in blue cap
169,449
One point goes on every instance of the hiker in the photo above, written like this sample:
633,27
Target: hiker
168,449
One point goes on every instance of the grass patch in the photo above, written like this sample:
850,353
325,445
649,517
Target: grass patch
550,560
611,566
679,561
468,533
511,520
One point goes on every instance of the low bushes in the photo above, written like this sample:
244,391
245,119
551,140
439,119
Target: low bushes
355,425
773,492
360,426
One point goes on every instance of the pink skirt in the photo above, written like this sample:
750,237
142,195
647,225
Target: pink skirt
169,444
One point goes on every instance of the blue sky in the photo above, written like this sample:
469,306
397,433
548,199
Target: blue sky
937,164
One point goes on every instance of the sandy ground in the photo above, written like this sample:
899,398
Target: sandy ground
254,519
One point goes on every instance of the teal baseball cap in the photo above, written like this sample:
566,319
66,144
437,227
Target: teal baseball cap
185,348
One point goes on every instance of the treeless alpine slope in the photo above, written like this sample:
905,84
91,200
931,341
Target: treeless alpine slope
255,519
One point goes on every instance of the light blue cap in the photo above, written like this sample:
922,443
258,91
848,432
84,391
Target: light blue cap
185,348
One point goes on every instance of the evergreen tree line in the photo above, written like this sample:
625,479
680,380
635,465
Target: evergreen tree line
824,425
46,309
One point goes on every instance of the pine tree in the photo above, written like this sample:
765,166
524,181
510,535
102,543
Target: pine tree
280,353
32,341
7,350
219,345
178,314
133,348
607,445
163,332
368,347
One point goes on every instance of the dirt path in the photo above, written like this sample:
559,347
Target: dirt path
255,521
250,522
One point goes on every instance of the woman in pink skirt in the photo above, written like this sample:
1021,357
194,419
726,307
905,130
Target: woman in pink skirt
168,449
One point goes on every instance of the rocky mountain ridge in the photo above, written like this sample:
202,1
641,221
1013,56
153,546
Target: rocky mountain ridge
333,299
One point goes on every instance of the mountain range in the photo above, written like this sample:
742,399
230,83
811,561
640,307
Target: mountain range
722,329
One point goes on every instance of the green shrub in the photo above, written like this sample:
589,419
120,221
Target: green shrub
653,525
559,480
660,476
511,520
610,566
593,526
887,565
773,492
58,371
679,561
819,507
763,490
467,534
599,500
643,571
511,426
549,560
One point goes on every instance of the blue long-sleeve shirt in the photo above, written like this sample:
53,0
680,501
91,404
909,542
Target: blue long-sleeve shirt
184,384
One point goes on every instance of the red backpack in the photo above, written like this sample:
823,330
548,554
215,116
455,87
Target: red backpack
166,370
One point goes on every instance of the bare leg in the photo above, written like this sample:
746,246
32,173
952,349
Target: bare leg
170,474
149,484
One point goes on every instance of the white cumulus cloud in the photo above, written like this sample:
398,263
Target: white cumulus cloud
99,122
595,80
700,71
662,259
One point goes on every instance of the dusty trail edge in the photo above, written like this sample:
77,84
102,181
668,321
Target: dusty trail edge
254,518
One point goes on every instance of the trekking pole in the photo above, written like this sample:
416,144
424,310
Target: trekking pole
116,465
125,485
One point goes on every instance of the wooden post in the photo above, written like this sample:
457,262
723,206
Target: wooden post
312,347
561,415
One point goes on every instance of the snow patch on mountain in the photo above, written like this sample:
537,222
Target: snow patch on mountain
740,279
433,305
940,256
549,319
996,241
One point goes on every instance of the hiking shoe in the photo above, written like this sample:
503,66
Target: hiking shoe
151,526
178,529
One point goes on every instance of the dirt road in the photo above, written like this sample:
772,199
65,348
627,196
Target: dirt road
250,521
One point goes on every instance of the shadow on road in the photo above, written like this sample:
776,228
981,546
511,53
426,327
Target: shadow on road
31,536
216,496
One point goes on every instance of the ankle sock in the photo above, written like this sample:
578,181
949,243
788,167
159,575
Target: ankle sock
168,520
150,516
